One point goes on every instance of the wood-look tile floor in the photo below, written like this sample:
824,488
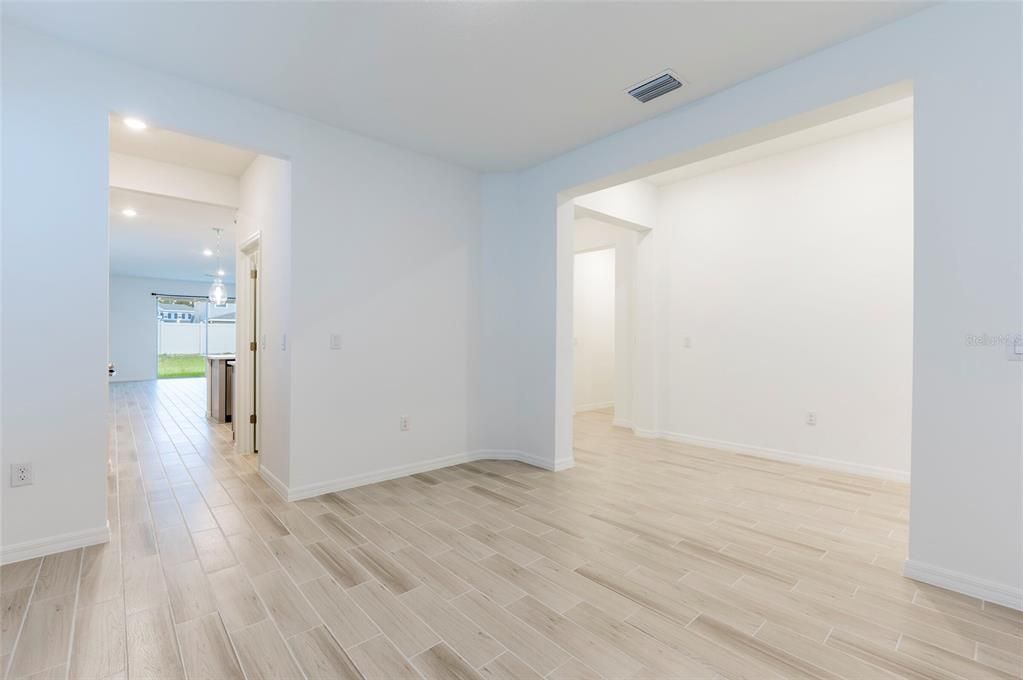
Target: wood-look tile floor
646,560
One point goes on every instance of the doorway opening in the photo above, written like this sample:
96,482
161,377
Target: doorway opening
762,300
176,223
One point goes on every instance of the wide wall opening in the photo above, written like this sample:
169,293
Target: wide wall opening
761,301
185,217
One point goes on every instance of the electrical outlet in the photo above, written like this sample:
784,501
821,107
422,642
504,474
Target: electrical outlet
403,423
335,341
21,474
811,418
687,342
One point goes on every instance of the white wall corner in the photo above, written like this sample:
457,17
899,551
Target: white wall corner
276,484
54,544
959,582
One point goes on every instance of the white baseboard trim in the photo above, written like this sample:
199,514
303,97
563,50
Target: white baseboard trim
276,484
594,407
54,544
959,582
310,490
621,423
785,456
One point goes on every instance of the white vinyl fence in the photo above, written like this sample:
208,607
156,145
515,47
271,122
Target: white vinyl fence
196,338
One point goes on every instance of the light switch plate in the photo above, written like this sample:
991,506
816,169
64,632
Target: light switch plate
335,341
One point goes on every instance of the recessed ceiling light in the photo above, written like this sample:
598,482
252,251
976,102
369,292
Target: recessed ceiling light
207,252
129,212
136,124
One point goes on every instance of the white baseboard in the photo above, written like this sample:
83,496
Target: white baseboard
54,544
622,423
594,407
275,484
785,456
310,490
959,582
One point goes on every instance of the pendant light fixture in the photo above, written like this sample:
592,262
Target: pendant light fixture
218,291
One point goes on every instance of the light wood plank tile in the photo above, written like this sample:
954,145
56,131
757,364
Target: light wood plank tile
519,638
207,651
376,533
341,566
15,605
101,578
45,635
152,646
144,584
190,594
252,554
388,572
573,638
285,603
263,653
434,576
406,630
461,633
236,599
346,622
58,574
176,545
339,530
441,663
507,667
377,659
480,578
213,550
98,650
295,559
18,575
321,658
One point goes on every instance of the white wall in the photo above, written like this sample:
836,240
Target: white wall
962,61
385,259
792,279
133,328
266,208
592,234
166,179
632,203
381,250
594,323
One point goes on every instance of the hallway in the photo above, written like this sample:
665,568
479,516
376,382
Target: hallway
648,559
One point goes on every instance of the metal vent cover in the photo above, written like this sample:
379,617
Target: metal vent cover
652,88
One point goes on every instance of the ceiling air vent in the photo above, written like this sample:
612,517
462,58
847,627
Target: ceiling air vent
655,87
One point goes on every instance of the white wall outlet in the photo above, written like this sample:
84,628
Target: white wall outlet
21,474
687,342
284,342
811,418
403,423
335,341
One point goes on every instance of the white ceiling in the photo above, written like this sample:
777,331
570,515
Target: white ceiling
179,149
490,85
166,239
